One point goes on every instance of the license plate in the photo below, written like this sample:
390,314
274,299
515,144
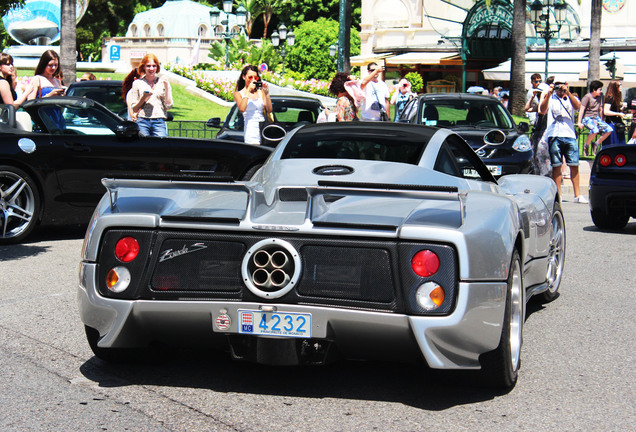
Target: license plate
287,324
494,169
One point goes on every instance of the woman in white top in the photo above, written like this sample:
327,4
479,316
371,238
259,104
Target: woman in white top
150,98
252,99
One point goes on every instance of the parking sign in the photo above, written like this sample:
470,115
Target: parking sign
115,52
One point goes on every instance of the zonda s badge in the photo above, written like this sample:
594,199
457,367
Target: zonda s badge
171,253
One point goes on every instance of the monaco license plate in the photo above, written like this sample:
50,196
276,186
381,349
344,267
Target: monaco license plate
287,324
494,169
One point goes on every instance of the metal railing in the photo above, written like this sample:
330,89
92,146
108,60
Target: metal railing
190,129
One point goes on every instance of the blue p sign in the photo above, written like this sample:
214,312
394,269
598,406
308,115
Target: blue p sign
115,52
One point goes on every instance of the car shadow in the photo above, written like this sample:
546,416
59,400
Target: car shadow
18,251
58,232
630,228
413,385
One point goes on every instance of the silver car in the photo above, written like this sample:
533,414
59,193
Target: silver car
354,240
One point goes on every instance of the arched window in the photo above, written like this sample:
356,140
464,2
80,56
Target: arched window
203,31
160,30
133,30
147,31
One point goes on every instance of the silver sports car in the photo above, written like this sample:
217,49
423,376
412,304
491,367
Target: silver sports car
357,240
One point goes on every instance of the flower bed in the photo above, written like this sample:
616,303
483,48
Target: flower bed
225,89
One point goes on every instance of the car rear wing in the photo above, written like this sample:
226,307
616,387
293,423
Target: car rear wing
318,200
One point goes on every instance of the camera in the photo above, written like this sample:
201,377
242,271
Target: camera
559,86
258,84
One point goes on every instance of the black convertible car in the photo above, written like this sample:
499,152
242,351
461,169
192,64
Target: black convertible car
472,117
55,151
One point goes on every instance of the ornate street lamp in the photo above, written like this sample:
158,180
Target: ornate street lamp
283,35
540,13
228,35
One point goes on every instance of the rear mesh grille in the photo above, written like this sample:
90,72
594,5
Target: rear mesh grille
346,273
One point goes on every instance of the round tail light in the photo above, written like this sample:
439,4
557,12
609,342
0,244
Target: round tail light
620,160
605,160
118,279
127,249
425,263
430,296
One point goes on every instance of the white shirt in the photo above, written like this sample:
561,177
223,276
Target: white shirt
560,117
371,90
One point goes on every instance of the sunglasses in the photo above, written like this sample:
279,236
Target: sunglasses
537,81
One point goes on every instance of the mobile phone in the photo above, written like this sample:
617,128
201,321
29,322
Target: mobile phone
258,84
146,91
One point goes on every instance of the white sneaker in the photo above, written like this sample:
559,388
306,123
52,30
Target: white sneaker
581,200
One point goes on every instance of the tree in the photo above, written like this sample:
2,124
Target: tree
5,5
594,66
242,52
267,8
310,54
68,40
293,13
518,59
252,8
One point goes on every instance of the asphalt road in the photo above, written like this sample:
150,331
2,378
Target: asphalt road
578,370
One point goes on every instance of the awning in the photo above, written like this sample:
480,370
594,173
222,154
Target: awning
563,70
363,60
422,58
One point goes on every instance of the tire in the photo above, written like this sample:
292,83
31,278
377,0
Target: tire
500,367
19,205
250,172
556,255
609,221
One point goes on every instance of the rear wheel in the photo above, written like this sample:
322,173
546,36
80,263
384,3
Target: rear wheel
500,367
609,221
19,204
556,255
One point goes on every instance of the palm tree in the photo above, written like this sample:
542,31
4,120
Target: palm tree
68,40
518,59
593,71
267,9
5,5
253,11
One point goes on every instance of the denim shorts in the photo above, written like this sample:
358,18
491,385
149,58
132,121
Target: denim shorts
560,147
152,127
596,125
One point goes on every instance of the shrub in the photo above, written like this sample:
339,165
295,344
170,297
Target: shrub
417,83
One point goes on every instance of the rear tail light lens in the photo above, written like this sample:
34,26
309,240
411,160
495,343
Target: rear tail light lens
605,160
430,296
620,160
118,279
425,263
127,249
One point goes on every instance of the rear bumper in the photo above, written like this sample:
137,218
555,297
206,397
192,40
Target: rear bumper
612,196
454,341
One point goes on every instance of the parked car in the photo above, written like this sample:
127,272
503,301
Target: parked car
356,240
613,186
289,112
472,116
106,92
54,153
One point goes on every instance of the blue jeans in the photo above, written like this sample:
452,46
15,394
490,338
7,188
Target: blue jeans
560,147
152,127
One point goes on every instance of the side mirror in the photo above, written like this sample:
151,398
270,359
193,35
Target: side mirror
523,127
214,122
127,129
493,138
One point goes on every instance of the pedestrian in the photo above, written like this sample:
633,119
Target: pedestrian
559,105
151,98
45,80
87,76
591,116
632,127
8,83
345,109
612,110
532,98
401,96
376,105
252,99
495,92
126,86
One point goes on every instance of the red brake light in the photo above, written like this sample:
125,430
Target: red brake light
605,160
620,160
425,263
127,249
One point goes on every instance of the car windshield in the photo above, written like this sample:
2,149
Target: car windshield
474,113
405,149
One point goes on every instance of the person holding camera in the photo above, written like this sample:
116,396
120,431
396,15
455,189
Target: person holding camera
401,96
252,99
376,105
591,116
558,106
612,110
